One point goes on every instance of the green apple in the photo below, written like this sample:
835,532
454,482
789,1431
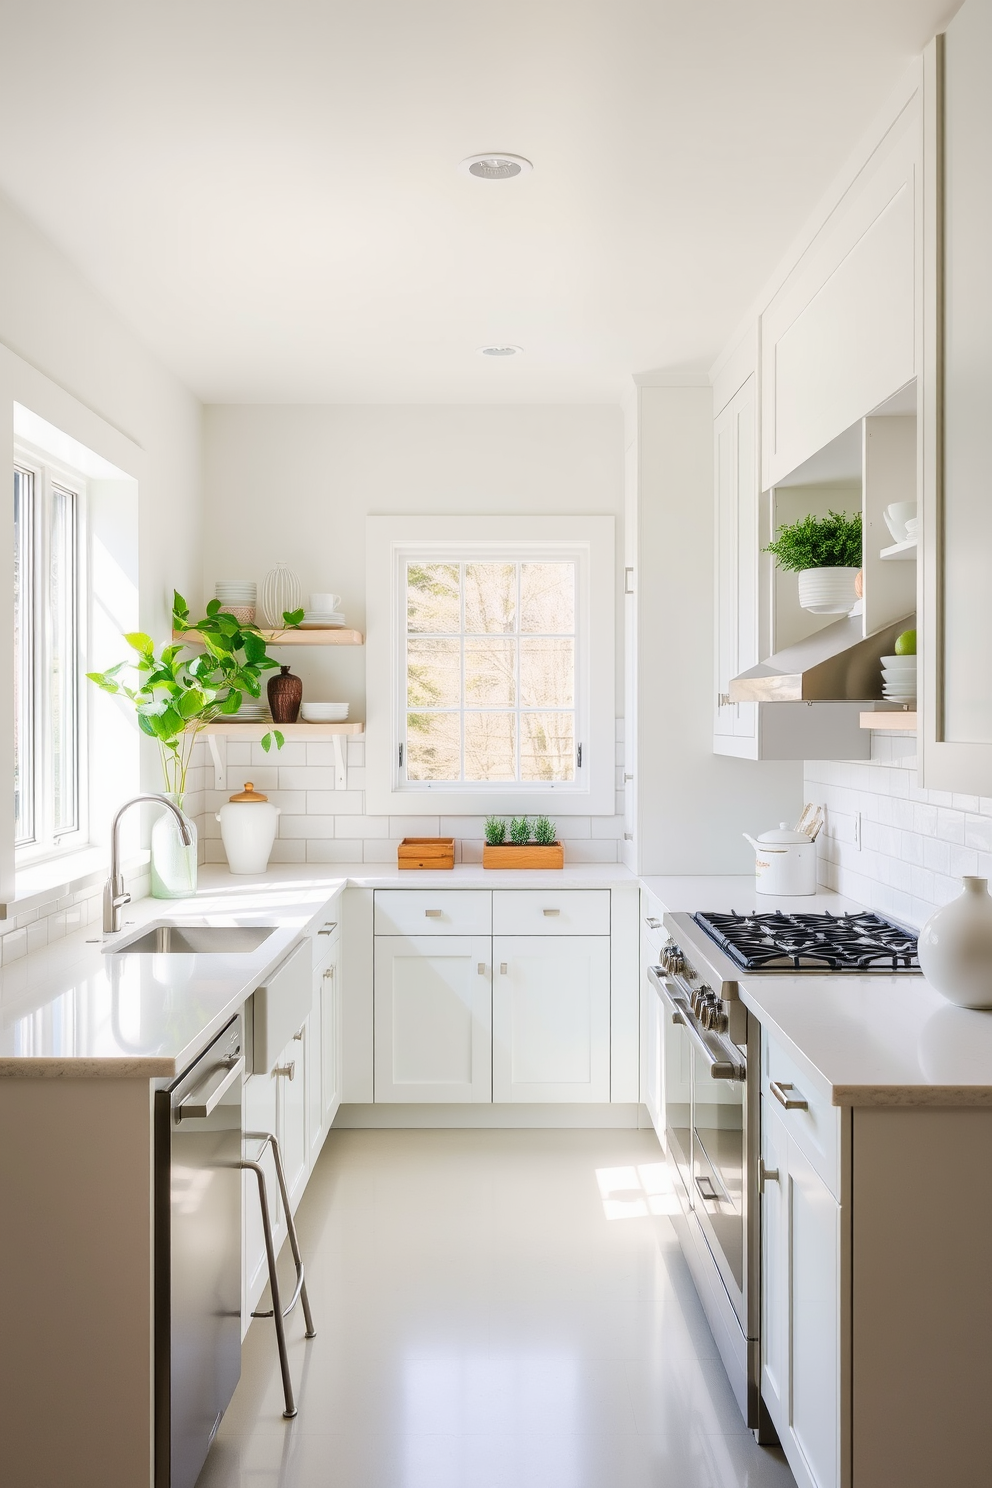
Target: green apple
906,643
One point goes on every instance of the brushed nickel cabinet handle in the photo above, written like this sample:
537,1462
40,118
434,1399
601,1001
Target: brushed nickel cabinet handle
652,923
298,1037
550,912
780,1089
766,1175
432,914
328,974
482,968
329,928
502,968
289,1070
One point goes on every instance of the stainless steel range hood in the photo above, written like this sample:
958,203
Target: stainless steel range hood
837,664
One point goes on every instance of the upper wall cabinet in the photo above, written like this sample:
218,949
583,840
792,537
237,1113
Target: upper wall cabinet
736,480
956,723
839,337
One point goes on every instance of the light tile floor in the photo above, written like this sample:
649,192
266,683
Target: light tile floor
494,1309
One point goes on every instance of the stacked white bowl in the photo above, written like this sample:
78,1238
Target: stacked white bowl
324,712
899,678
237,597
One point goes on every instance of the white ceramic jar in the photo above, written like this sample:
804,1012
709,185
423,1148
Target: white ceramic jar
784,862
248,824
955,947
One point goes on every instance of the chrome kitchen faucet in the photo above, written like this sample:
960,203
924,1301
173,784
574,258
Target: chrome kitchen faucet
114,897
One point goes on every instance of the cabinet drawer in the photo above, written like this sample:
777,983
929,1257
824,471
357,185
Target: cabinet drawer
815,1128
327,938
551,911
433,912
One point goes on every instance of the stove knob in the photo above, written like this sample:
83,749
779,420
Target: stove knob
706,1017
719,1020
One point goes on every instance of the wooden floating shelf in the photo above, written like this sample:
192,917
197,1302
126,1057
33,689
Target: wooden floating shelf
255,730
292,637
889,719
904,551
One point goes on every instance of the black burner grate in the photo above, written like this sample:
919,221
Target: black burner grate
778,941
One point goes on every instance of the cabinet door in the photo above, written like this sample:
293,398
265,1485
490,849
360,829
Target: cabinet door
551,1018
290,1073
316,1128
736,479
433,1018
774,1268
331,1029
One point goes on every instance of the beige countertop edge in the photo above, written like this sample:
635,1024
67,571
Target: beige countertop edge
80,1068
865,1096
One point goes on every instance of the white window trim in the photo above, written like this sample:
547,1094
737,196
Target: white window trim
48,472
388,540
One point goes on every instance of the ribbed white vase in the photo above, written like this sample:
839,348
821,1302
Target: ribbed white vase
281,591
955,947
828,591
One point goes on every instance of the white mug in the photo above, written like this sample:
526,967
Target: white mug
324,604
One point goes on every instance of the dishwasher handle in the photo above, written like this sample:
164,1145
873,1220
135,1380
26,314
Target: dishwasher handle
207,1097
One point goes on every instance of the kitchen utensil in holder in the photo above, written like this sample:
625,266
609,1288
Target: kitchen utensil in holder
277,1312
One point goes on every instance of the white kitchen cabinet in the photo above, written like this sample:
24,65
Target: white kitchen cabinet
551,1018
801,1306
316,1130
291,1112
433,1018
736,483
652,937
330,996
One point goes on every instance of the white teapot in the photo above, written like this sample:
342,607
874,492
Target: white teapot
784,861
248,824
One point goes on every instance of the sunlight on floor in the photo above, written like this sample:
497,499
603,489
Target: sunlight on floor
634,1193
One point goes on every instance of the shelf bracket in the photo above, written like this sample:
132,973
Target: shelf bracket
340,762
220,765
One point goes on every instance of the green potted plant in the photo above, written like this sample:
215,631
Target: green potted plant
175,697
532,844
826,554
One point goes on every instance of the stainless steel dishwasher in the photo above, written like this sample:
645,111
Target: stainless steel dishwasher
198,1138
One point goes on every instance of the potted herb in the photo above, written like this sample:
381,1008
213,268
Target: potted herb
826,554
532,844
175,697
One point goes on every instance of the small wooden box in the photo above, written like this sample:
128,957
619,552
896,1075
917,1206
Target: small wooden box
426,852
530,855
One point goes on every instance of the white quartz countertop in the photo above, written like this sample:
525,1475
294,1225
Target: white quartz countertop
722,893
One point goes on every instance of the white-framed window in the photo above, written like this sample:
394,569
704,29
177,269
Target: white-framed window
50,586
490,665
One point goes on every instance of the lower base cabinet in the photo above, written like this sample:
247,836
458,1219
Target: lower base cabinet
551,1018
432,1019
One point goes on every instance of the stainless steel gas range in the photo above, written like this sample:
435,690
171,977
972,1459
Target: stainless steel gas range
712,1081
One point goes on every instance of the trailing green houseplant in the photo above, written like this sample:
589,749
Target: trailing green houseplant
176,696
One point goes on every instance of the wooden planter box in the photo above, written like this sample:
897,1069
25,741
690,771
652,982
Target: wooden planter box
426,852
531,855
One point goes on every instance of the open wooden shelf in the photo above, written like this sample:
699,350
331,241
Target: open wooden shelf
293,637
905,551
259,727
890,718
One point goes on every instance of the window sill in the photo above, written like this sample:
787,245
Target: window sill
42,882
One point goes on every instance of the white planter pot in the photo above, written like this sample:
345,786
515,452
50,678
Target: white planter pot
955,947
828,591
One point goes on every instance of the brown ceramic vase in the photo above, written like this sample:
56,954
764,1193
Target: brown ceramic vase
285,696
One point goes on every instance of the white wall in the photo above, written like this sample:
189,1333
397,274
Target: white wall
54,322
297,483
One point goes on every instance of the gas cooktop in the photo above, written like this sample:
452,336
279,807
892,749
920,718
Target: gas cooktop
779,941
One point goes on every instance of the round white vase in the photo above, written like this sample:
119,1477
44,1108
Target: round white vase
248,823
955,947
173,865
828,591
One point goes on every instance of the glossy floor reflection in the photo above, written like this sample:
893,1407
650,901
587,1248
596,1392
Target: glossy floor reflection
494,1310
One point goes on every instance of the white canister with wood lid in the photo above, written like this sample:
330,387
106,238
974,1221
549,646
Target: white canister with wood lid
248,824
784,862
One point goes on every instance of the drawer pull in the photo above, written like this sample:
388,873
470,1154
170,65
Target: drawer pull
652,923
550,912
298,1037
481,968
289,1070
329,928
502,968
780,1089
328,974
707,1190
432,914
766,1175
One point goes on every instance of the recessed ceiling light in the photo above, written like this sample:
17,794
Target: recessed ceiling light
499,351
495,167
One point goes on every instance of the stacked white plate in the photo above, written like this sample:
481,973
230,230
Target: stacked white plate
899,678
237,597
324,712
249,713
314,620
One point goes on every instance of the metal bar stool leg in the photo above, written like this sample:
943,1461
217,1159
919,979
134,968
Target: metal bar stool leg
277,1313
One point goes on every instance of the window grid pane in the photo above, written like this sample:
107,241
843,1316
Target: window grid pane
64,669
514,716
24,658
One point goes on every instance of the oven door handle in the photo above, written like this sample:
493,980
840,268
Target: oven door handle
721,1057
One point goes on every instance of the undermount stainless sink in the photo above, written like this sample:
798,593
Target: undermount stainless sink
195,940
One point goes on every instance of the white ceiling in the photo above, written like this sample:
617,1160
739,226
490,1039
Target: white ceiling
267,189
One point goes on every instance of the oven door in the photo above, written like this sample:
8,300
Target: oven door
718,1164
677,1087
